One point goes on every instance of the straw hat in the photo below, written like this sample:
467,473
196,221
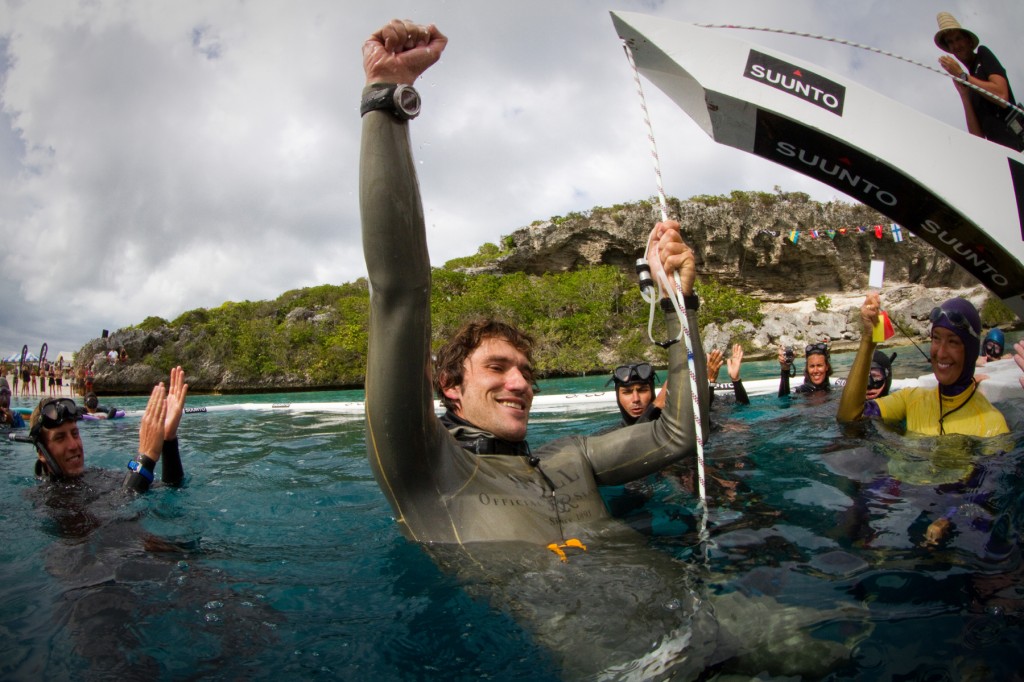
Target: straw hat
948,23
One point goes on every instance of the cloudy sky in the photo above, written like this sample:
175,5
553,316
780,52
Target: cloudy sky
157,157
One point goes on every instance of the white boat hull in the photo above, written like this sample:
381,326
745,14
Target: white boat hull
1002,384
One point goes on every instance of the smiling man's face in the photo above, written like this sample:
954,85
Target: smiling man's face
64,444
496,392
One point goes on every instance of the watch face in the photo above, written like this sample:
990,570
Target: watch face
408,100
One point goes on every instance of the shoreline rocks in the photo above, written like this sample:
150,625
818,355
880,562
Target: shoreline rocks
785,324
798,324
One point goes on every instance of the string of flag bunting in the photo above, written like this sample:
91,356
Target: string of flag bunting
879,231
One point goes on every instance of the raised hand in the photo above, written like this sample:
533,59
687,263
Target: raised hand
715,361
400,51
734,362
151,429
673,256
1018,357
175,403
869,312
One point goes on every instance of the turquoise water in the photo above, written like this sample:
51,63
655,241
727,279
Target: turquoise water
280,559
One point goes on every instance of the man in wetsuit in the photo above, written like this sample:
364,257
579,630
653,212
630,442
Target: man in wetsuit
61,454
635,393
94,410
474,477
956,405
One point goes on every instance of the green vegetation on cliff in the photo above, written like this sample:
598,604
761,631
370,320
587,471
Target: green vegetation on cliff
568,281
582,321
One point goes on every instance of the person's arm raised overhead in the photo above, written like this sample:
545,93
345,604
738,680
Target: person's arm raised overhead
851,404
172,472
151,442
629,453
402,429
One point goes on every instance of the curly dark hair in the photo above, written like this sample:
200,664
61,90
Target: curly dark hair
449,363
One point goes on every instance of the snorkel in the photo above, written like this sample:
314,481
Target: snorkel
56,472
33,438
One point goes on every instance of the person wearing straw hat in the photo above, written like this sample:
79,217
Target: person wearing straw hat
974,64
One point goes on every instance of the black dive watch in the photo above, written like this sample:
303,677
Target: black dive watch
400,100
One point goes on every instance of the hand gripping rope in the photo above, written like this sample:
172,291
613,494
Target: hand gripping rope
651,265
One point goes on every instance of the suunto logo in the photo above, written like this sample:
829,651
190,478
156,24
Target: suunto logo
972,260
818,166
795,80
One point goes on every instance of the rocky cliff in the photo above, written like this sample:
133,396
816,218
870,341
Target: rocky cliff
742,242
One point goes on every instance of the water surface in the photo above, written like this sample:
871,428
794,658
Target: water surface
280,556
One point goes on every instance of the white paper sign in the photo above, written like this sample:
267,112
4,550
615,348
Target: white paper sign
875,277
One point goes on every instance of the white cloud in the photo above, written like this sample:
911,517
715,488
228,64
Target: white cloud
158,157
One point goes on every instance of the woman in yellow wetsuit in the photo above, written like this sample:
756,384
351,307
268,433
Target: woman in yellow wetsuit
956,405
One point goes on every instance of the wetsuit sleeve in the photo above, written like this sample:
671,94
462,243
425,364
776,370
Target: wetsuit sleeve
851,402
635,451
172,473
650,414
784,383
741,393
140,474
404,436
890,408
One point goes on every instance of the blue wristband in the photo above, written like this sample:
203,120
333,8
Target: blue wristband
141,470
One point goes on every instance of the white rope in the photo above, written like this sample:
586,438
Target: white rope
674,294
662,200
859,46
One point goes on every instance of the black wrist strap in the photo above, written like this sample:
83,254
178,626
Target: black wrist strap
691,302
377,96
140,473
381,96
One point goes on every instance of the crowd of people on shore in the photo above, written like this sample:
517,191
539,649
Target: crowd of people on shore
47,379
54,379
